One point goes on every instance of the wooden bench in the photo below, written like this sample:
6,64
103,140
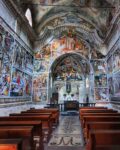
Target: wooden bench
100,126
35,114
104,140
55,113
37,132
25,133
96,111
10,144
45,119
100,119
100,114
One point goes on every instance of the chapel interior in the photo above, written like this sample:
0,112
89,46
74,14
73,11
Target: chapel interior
59,74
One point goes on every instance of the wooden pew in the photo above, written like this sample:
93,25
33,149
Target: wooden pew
100,126
55,113
25,133
100,119
104,140
45,119
37,130
99,114
10,144
34,114
96,111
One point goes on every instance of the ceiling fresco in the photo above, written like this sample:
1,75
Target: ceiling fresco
67,42
90,18
96,11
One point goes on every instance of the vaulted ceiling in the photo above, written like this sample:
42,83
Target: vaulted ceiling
90,19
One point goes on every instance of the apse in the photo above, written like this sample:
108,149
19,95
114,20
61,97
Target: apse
69,77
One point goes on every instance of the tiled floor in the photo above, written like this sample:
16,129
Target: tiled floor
68,129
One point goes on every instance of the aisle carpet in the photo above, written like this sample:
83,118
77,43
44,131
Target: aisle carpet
68,134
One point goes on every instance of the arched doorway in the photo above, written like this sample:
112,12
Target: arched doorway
71,78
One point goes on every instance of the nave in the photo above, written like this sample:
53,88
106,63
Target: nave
47,129
68,134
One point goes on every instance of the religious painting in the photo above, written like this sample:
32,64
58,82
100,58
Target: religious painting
40,66
116,62
28,85
99,66
68,69
101,94
46,51
40,81
29,62
18,55
6,54
37,55
117,84
17,83
40,95
111,86
2,33
101,80
110,65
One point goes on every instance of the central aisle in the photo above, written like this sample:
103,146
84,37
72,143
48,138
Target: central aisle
68,135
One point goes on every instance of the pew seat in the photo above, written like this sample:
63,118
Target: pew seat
11,144
103,139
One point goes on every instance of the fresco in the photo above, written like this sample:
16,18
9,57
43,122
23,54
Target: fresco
14,59
101,80
17,83
110,65
111,86
40,81
68,18
28,62
28,85
22,58
99,67
101,94
116,58
21,84
68,69
6,55
18,56
40,66
117,84
68,41
40,95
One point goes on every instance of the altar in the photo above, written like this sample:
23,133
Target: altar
71,105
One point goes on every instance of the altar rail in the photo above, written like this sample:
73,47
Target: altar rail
61,105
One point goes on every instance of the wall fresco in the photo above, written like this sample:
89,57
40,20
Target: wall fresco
111,86
40,95
101,94
110,65
40,81
6,56
21,84
116,58
15,63
117,84
67,70
40,66
17,83
101,80
22,58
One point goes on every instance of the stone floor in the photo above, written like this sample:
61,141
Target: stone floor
67,136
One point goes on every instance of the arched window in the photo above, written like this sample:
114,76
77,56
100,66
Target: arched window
29,16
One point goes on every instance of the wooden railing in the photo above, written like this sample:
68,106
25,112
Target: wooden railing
61,105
